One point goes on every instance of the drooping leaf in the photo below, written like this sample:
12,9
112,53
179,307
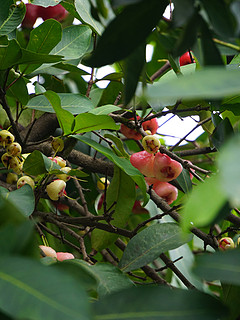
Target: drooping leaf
200,209
121,199
16,15
75,103
83,8
87,122
222,133
148,244
184,181
140,18
17,88
148,302
27,282
65,118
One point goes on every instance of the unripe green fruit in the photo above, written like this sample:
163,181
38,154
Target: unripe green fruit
14,149
56,189
48,251
58,144
25,180
151,143
6,138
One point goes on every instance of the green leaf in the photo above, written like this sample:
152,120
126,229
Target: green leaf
122,163
108,108
75,42
17,90
140,18
37,164
231,295
10,52
208,83
49,291
148,244
109,277
157,302
42,40
121,199
65,118
228,163
222,133
200,209
184,181
30,57
87,122
223,266
22,199
83,8
119,144
46,3
16,15
75,103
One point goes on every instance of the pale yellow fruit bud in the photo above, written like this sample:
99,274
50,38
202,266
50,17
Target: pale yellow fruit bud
151,143
25,180
48,251
56,189
6,138
14,149
101,183
65,177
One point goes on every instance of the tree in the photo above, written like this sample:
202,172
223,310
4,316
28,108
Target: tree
147,235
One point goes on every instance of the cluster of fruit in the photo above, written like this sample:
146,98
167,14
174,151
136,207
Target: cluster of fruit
50,252
33,12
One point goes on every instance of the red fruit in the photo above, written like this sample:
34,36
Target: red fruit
56,12
32,13
186,58
144,162
130,133
165,168
61,256
151,125
100,202
138,209
163,189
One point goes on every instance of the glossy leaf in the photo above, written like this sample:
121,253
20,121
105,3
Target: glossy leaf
83,8
200,209
184,181
16,15
140,18
87,122
17,88
158,302
22,199
46,3
37,164
27,282
230,299
30,57
223,266
122,163
9,52
72,102
65,118
108,108
148,244
121,199
208,83
75,42
42,40
222,133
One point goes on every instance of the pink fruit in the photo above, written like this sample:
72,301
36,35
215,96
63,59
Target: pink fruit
186,58
130,133
61,256
165,168
55,12
163,189
151,125
138,209
32,13
144,162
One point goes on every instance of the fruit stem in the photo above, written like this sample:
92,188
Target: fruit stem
226,44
